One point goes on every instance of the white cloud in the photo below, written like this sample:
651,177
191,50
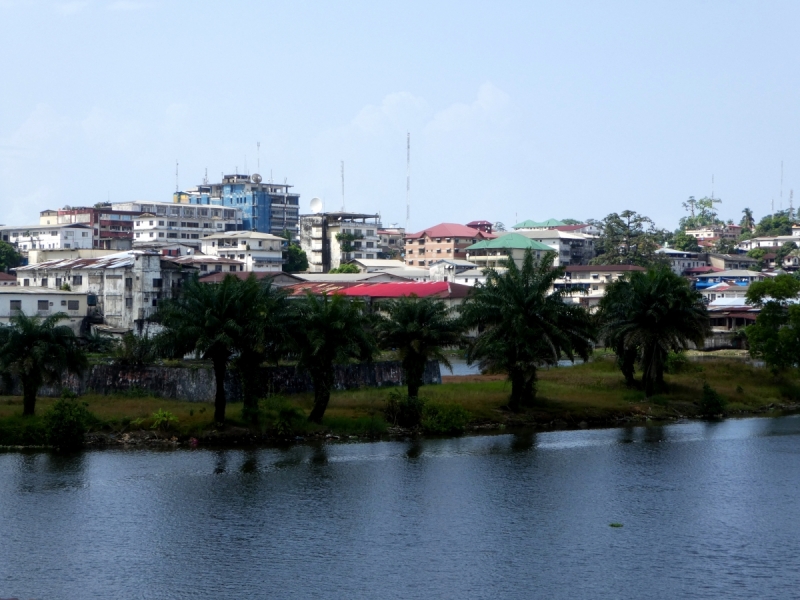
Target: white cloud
70,8
489,106
395,111
126,5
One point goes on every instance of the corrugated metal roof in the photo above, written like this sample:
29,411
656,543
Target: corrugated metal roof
512,241
450,230
119,260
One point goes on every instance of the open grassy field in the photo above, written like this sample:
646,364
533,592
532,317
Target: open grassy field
592,394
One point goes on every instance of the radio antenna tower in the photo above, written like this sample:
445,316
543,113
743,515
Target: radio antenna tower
342,186
258,157
176,176
791,205
408,179
205,178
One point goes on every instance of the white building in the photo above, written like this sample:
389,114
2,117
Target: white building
590,281
123,289
474,277
330,239
43,302
680,260
447,269
371,265
570,248
769,243
258,251
47,237
169,222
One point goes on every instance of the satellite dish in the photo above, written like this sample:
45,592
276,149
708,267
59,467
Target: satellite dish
316,205
256,178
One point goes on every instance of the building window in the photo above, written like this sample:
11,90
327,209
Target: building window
151,222
217,268
73,304
233,267
203,268
58,282
129,283
26,282
370,232
157,283
77,279
151,234
42,305
44,281
128,302
16,305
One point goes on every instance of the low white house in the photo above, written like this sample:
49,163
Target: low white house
47,237
43,302
258,251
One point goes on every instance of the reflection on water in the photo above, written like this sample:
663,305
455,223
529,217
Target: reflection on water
709,510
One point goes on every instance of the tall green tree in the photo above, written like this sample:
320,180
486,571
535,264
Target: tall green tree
419,329
747,222
775,336
9,257
651,314
38,351
206,320
702,213
685,242
326,330
294,257
775,224
523,323
627,238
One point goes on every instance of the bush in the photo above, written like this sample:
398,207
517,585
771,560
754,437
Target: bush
66,422
277,412
711,403
444,418
677,362
134,351
402,410
163,419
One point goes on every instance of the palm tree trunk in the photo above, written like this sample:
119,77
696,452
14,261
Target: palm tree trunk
523,389
220,367
322,395
414,374
29,390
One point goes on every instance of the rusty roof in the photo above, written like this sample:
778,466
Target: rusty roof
120,260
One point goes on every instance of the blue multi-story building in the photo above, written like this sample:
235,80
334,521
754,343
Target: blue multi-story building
266,207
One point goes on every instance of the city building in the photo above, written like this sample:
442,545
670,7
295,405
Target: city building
725,232
391,242
738,277
43,302
590,281
112,229
447,269
331,239
570,248
47,237
475,277
772,242
727,262
446,240
160,223
7,279
680,260
123,289
548,224
206,264
266,207
484,226
371,265
257,251
495,252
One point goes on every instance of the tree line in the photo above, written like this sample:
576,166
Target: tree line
516,323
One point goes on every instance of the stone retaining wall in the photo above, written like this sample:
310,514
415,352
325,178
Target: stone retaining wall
196,383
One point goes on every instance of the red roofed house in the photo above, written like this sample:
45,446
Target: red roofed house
451,293
484,226
446,240
7,279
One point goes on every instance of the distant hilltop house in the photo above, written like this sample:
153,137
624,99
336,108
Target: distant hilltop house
725,232
572,244
445,240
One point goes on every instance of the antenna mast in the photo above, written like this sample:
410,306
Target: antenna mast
342,186
791,205
712,187
205,178
258,157
408,179
176,176
781,203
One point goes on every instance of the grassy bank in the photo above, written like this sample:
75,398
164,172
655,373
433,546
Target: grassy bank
593,394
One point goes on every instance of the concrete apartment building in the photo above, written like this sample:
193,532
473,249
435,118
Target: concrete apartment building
44,302
725,232
570,248
333,238
391,242
680,261
123,289
47,237
495,252
158,223
112,229
266,207
591,281
257,251
446,240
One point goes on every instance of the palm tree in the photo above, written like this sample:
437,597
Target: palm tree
747,221
207,320
263,338
38,351
418,328
327,330
523,325
649,315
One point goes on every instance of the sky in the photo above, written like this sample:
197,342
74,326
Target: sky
516,110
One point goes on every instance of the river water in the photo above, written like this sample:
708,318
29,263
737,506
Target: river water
709,510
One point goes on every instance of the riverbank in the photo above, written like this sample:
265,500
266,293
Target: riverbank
582,396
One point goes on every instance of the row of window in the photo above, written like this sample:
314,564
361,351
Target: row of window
46,304
173,235
438,251
366,232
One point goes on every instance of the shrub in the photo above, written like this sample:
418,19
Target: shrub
163,419
677,362
66,422
444,418
402,410
277,412
711,403
288,418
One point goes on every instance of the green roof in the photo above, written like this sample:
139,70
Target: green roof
510,241
534,225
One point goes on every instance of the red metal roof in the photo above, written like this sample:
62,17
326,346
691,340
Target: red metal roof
451,230
7,277
570,227
422,289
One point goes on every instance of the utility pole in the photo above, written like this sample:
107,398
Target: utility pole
408,179
342,186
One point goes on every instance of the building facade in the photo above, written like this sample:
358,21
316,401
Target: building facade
43,302
331,239
47,237
589,282
446,240
491,254
111,229
257,251
266,207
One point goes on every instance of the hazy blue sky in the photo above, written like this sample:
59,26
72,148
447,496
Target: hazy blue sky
516,110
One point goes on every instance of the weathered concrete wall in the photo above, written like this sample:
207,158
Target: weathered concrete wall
196,383
718,340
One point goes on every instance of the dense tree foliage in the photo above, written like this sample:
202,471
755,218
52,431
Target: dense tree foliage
9,257
702,213
779,223
523,325
418,329
346,268
295,259
327,330
775,336
747,222
685,242
38,351
645,317
627,238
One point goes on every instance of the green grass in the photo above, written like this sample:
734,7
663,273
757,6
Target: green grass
594,392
